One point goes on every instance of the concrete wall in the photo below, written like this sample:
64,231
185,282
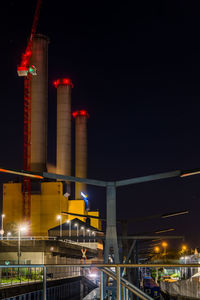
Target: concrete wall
33,257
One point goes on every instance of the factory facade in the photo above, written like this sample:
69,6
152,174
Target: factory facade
49,199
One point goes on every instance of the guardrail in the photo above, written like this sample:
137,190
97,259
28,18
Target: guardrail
123,287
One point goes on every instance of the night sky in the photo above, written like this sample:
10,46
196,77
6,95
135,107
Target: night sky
135,66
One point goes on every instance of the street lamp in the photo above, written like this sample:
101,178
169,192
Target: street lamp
2,231
77,227
183,250
8,234
59,217
70,227
89,231
164,245
20,229
93,233
157,249
83,228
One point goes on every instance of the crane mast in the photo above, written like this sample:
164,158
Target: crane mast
27,71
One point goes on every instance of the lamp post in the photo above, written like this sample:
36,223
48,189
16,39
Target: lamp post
21,229
89,231
184,249
8,234
77,232
70,227
93,233
164,245
157,251
83,228
2,231
59,217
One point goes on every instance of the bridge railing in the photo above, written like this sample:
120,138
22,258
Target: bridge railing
107,276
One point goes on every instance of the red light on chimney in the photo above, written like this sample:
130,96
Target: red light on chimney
63,81
80,113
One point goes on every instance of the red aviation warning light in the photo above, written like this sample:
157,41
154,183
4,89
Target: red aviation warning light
80,113
63,81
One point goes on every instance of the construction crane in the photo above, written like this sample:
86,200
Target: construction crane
27,71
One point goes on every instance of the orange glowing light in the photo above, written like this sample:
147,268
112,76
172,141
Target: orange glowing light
164,244
184,248
157,249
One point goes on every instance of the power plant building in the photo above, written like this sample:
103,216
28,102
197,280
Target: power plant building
50,199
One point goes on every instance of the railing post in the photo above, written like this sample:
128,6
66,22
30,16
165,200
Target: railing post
101,286
124,293
44,283
127,298
118,277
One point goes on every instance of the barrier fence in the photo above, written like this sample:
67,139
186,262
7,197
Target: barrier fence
110,278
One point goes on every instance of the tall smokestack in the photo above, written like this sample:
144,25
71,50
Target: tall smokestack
81,117
39,103
63,165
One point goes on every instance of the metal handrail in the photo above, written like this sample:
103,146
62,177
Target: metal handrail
132,288
86,265
121,282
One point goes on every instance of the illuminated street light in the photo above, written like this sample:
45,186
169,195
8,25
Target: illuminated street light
20,229
83,228
70,227
59,217
77,227
8,234
164,245
89,232
157,249
93,233
184,248
2,231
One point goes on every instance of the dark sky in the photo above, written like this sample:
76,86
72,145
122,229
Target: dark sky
135,68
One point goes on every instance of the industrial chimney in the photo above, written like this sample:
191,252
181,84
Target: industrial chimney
39,103
64,86
81,117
